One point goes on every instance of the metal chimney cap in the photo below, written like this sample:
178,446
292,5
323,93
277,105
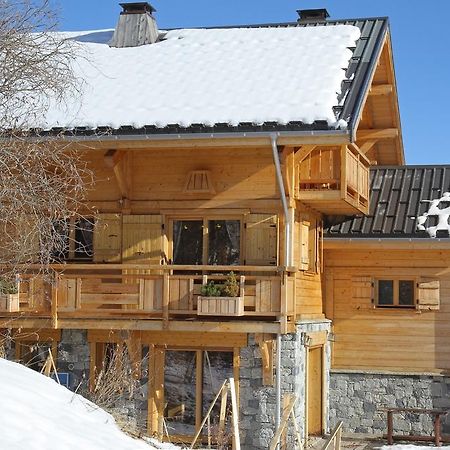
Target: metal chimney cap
137,8
313,15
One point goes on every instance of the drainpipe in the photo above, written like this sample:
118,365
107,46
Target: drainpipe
287,260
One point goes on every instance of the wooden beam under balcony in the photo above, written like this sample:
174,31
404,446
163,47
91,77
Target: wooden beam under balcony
115,160
377,134
303,152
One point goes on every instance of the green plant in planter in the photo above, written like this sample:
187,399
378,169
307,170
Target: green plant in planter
231,286
211,290
7,287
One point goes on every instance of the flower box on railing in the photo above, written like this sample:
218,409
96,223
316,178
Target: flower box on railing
220,306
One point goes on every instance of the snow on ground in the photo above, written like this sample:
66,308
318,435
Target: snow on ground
36,413
411,447
209,76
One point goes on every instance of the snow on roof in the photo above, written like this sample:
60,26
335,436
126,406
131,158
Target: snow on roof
209,76
439,210
37,413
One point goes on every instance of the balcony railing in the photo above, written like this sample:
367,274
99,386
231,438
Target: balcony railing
335,179
106,291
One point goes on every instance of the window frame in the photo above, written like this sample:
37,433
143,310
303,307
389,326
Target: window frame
396,292
205,219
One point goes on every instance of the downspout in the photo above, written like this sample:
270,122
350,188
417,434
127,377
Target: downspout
287,261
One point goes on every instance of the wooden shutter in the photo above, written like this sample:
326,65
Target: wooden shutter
363,292
107,238
261,240
305,226
428,294
142,240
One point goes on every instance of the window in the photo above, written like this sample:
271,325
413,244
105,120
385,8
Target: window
396,293
73,239
206,241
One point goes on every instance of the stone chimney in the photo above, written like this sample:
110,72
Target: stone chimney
136,26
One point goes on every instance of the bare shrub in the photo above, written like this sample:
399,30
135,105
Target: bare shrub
43,180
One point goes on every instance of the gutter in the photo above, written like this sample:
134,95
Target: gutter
344,134
387,243
287,262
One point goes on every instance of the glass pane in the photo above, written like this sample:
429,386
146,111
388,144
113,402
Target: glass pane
84,234
224,242
187,242
385,292
60,240
406,292
179,392
217,367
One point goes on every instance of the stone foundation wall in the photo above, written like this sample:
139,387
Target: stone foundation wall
356,399
258,401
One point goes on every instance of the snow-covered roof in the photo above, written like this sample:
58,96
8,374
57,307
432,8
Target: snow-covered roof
209,77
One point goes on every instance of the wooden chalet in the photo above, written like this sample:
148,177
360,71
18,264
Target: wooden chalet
178,206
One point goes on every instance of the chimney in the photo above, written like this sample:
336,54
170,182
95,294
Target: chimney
312,15
136,26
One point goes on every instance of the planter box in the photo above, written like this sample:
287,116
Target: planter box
9,302
220,306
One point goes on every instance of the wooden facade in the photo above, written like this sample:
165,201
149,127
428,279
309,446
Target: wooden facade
369,337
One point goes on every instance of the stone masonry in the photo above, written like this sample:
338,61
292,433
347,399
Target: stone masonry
258,401
356,399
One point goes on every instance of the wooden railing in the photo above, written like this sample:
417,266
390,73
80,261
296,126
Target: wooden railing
356,174
150,291
334,174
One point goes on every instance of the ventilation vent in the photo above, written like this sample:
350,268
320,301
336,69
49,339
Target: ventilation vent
199,182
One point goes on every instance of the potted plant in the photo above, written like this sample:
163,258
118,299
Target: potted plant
9,297
225,299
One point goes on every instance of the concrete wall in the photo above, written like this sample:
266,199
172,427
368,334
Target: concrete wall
356,399
258,401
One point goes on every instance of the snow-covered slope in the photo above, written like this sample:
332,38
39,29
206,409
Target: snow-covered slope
38,414
209,76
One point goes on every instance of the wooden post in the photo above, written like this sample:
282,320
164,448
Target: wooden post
437,430
166,296
235,415
390,427
223,410
198,389
54,304
284,420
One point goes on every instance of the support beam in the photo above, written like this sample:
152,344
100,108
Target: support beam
376,134
303,152
115,160
367,146
381,89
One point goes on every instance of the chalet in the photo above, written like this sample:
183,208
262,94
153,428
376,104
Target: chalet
232,149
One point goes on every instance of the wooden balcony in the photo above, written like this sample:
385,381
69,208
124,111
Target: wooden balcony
334,180
150,297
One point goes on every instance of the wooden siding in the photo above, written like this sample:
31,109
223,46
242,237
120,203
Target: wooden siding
308,281
371,338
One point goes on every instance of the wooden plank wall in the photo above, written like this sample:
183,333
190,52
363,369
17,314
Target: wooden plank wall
160,174
309,299
382,339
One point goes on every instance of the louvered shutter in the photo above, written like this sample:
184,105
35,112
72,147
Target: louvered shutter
305,226
107,238
363,292
261,240
428,294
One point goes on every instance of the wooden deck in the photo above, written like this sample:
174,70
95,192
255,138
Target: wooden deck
82,293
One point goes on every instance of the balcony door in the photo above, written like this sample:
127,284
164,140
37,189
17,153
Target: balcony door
212,241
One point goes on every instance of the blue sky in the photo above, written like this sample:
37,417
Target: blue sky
420,39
